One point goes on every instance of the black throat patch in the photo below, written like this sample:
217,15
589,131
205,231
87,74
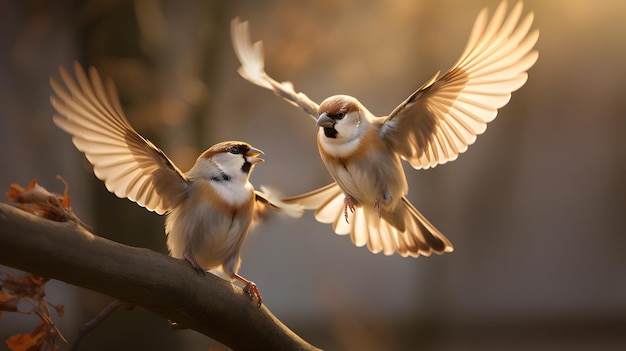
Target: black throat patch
330,132
246,166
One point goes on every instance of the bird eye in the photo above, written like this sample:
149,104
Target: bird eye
234,150
340,115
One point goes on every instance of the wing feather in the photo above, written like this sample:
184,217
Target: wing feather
444,116
266,199
129,165
253,69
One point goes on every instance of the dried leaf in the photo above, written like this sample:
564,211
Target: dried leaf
66,197
5,297
8,302
39,201
26,285
30,288
25,342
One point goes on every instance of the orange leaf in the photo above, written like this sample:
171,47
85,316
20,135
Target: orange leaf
25,285
14,191
8,302
5,297
24,342
36,280
39,201
66,197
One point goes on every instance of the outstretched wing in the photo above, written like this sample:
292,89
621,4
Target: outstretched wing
444,116
266,200
252,69
129,165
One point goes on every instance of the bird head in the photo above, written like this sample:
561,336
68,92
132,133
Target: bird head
226,161
341,118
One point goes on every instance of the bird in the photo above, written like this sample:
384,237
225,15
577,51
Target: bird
209,209
363,153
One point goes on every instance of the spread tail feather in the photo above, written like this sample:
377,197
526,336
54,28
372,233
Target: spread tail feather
366,228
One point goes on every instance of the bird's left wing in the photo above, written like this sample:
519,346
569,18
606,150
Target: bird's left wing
443,117
265,200
253,69
129,165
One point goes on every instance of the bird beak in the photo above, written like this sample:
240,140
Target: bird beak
325,121
251,156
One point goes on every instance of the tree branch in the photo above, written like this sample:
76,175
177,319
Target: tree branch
162,284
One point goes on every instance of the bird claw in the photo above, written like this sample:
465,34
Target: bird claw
349,203
252,291
378,204
188,256
250,288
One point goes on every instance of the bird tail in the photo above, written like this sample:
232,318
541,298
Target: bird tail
420,236
416,236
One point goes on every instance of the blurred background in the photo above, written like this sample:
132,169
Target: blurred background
534,208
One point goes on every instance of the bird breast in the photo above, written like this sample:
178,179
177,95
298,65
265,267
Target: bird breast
372,171
209,225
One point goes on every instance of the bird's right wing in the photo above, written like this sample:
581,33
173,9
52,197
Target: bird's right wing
129,165
253,69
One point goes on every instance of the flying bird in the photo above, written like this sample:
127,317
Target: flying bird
209,209
436,123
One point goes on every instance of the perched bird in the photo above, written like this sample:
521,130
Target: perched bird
209,209
432,126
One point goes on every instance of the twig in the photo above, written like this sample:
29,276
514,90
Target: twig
95,322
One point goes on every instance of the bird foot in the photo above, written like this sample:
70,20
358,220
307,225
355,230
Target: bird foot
251,289
349,203
378,205
188,256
